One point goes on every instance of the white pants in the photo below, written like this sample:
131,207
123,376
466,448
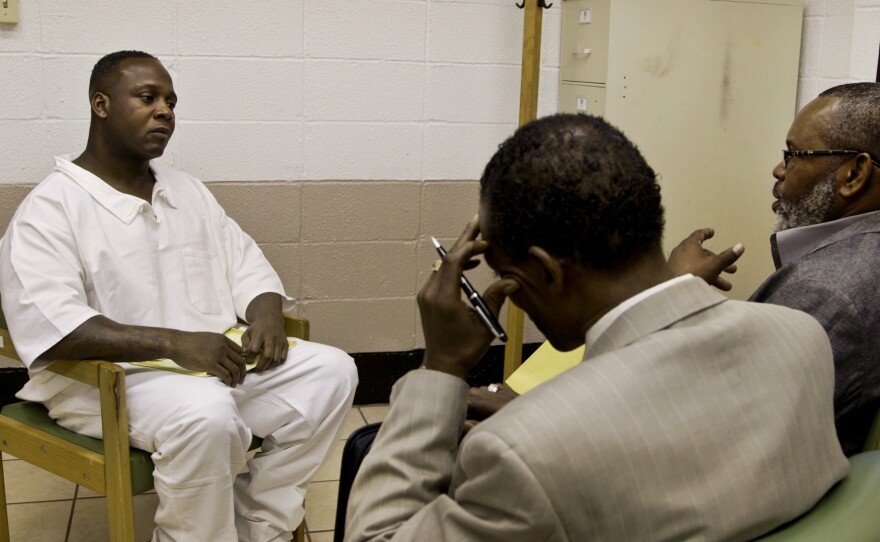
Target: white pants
199,430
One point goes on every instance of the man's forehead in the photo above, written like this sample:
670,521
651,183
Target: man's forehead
140,71
812,123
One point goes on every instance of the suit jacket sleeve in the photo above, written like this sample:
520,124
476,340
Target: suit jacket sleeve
402,490
842,321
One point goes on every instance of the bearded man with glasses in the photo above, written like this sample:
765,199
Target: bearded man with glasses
826,243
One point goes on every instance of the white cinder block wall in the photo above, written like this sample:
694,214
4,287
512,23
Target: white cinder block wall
840,45
324,89
282,89
357,127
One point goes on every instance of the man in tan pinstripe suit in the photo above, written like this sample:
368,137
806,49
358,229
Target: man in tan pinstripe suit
692,417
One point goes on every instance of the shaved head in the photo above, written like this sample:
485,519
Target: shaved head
105,69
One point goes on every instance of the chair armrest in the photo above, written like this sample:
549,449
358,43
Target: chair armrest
296,326
87,371
6,347
873,440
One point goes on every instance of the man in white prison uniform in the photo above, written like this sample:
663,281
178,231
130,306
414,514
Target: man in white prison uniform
116,258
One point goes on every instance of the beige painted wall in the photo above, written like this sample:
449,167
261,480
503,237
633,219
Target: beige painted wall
353,253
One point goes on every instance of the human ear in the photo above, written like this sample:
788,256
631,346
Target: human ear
857,174
100,104
552,268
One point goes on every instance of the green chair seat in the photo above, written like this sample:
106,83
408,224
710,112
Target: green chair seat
36,415
850,511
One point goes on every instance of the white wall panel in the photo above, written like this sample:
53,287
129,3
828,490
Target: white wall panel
430,64
21,75
474,33
375,30
241,151
364,91
345,150
74,26
272,28
235,89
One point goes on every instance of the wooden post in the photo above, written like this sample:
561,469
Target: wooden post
4,519
528,111
117,466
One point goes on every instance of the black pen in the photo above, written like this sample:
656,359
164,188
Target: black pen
475,299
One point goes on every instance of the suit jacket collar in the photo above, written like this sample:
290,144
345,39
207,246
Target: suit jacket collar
870,224
657,312
793,244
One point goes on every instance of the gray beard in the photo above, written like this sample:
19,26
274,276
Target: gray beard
814,208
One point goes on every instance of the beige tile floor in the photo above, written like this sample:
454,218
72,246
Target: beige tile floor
45,508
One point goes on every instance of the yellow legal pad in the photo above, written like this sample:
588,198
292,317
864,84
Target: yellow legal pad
233,333
546,363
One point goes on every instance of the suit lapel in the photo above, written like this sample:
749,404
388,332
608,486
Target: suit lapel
657,312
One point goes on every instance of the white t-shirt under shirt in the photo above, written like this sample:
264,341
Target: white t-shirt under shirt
77,248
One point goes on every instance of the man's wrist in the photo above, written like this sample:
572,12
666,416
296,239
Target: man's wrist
269,315
172,339
265,305
444,367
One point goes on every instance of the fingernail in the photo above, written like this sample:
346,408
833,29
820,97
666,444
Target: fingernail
738,249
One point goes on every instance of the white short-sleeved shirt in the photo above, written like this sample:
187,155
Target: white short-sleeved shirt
77,247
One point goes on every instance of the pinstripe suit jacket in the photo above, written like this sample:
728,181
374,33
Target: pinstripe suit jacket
692,418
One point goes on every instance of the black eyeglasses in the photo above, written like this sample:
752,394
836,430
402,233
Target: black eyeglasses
787,154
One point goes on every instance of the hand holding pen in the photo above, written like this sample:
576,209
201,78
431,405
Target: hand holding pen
475,299
457,333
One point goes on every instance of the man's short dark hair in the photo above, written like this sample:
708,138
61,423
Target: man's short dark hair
857,126
575,186
108,64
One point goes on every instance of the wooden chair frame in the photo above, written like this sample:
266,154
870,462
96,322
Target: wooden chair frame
108,474
873,440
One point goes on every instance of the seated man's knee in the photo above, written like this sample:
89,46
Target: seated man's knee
212,418
338,367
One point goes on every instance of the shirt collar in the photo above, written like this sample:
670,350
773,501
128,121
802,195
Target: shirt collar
795,243
163,187
603,323
125,207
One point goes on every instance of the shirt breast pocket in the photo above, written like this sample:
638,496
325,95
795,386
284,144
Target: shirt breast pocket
199,270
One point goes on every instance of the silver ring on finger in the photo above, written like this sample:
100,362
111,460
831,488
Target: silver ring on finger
493,388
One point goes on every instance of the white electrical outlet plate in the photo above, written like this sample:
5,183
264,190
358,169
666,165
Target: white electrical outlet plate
585,16
9,11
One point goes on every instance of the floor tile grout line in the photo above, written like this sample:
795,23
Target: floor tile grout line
72,510
53,501
364,418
